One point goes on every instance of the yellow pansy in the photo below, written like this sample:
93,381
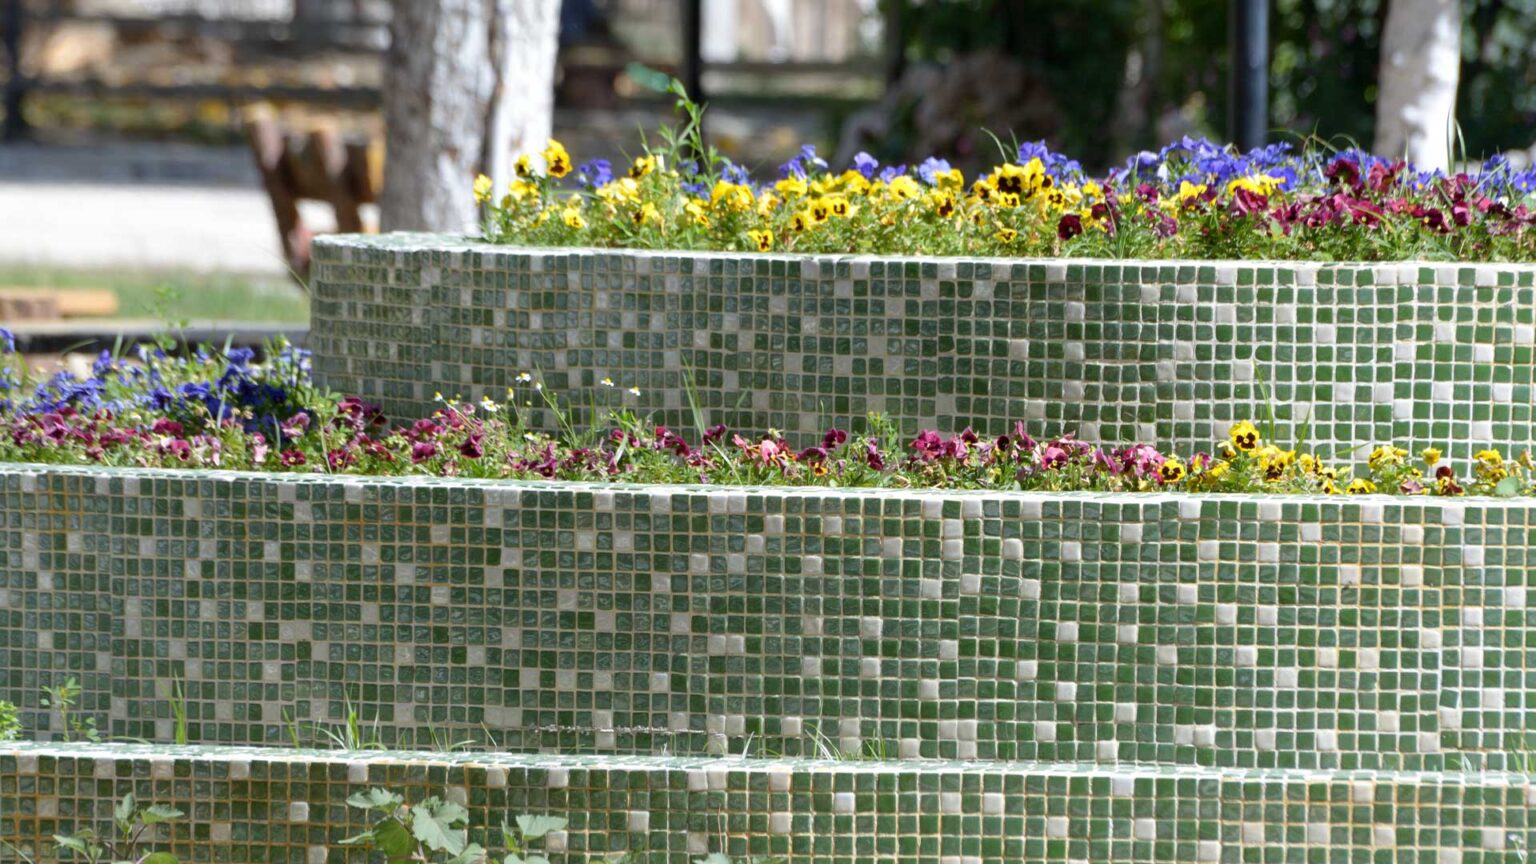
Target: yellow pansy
1245,437
733,196
902,188
642,166
1259,184
791,187
1189,192
556,161
483,187
761,239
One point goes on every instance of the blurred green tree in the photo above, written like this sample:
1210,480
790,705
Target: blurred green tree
1130,74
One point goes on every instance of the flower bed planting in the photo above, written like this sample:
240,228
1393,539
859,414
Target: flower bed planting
213,409
1192,199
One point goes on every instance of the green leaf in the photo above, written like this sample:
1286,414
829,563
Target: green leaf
472,854
512,859
66,841
123,812
159,858
534,827
715,858
438,824
357,839
376,799
537,859
1509,487
391,838
154,814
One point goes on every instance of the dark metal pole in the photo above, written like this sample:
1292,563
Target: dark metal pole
15,86
1249,47
895,41
692,66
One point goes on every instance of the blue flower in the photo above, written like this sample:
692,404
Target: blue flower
1055,164
594,173
197,390
802,164
1143,164
159,398
241,356
1197,148
105,365
733,173
7,341
891,172
931,166
865,164
694,184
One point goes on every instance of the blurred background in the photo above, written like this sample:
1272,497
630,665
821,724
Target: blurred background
167,160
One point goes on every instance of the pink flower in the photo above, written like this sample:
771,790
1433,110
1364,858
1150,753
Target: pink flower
473,446
872,455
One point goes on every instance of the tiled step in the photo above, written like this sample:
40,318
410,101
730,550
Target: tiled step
285,806
1168,352
1246,632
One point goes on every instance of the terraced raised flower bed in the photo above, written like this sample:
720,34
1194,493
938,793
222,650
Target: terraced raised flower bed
828,621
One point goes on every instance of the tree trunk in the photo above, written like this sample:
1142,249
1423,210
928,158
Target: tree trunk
1420,64
468,86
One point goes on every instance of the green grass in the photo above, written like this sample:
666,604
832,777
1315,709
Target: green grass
175,296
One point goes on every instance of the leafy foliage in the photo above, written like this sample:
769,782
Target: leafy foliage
437,830
1323,75
65,698
10,722
131,822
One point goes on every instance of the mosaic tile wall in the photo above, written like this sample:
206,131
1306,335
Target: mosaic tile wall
289,808
1182,630
1169,352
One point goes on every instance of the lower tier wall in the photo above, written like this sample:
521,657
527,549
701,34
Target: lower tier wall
1229,631
290,808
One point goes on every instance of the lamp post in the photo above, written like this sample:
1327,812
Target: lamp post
1248,40
15,86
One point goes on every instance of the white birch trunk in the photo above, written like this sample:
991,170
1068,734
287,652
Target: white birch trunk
468,86
1420,65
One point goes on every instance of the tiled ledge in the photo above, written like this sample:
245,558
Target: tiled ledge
247,804
1243,632
1169,352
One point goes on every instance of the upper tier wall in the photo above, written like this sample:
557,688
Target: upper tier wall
1165,352
1224,631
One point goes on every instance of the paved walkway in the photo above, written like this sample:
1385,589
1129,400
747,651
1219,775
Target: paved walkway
150,227
137,205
